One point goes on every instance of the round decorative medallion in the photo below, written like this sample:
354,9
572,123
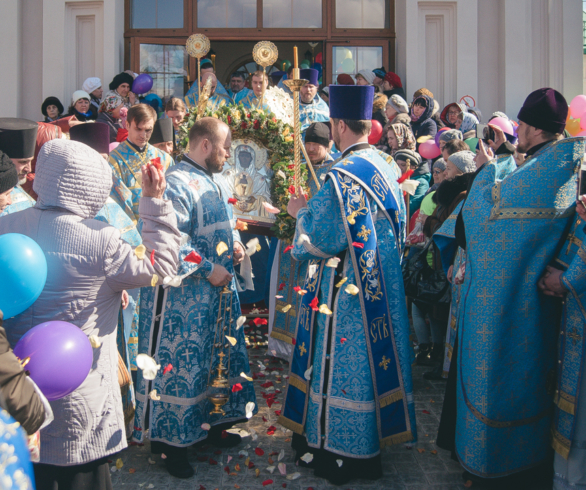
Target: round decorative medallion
197,45
265,53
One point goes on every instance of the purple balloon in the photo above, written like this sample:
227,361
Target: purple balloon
61,357
142,84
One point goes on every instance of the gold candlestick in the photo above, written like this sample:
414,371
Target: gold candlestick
295,86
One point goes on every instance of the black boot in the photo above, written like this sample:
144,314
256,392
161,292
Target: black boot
220,438
423,354
177,464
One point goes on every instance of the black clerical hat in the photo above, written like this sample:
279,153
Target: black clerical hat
318,132
96,135
18,137
162,132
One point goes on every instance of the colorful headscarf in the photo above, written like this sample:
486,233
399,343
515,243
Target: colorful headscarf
110,102
405,138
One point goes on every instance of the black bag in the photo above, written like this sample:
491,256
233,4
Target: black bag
422,282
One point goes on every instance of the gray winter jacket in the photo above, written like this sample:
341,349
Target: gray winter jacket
88,268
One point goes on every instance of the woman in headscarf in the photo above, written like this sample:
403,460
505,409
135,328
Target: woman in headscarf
397,111
110,113
449,115
421,122
414,168
122,85
80,107
400,137
365,77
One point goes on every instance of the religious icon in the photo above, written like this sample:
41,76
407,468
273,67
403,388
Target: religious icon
248,178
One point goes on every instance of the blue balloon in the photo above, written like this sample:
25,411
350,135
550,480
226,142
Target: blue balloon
23,269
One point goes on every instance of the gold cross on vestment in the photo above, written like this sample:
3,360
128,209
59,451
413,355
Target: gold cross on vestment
575,336
484,296
302,349
485,260
364,233
503,241
484,332
384,363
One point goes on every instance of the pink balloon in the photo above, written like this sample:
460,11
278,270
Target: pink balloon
578,106
503,123
581,133
429,149
583,121
113,146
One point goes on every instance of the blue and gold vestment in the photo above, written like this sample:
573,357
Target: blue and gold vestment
507,328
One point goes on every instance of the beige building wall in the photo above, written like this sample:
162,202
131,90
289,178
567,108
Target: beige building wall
496,51
52,46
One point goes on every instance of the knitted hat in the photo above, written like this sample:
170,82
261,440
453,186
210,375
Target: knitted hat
79,94
545,109
422,91
404,155
344,79
450,134
311,75
351,102
394,79
380,72
96,135
120,79
398,104
440,164
91,84
51,101
464,161
18,137
499,114
318,133
367,75
8,173
162,131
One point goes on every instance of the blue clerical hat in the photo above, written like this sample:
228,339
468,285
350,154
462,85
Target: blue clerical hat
351,102
310,74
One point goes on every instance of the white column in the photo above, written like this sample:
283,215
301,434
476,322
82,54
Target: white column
10,58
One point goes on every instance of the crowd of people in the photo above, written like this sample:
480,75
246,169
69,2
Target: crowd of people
479,249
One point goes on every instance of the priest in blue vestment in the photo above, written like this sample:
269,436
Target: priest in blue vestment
507,330
215,100
206,67
259,82
311,106
238,89
349,393
178,322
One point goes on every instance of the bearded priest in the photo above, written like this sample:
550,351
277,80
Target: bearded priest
350,390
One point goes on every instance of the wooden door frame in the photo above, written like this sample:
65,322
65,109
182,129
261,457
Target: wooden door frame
328,52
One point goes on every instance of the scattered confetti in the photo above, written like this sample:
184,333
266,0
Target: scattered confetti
257,472
313,304
270,208
259,452
281,286
148,366
333,262
283,469
352,289
247,378
241,225
95,341
293,476
153,396
425,412
153,258
307,458
154,280
260,321
342,340
241,320
249,409
236,388
221,248
287,248
433,451
311,270
267,482
307,374
358,244
270,469
339,462
252,246
282,453
232,340
168,368
132,470
119,463
325,310
339,283
286,308
232,200
206,426
140,251
420,450
193,257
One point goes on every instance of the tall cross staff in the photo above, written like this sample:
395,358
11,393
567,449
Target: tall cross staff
197,46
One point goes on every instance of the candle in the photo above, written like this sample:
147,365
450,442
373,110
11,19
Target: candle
295,60
284,67
214,61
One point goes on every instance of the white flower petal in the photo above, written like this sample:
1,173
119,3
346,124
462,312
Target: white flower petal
307,374
293,476
148,366
95,341
307,458
340,462
302,239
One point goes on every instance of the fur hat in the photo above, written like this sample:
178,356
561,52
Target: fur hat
120,79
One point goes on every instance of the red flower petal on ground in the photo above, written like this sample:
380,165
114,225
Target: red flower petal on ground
237,387
291,189
168,368
270,402
227,469
260,321
224,435
193,257
268,384
264,419
313,304
278,413
153,258
202,458
201,487
232,200
259,452
267,482
250,465
358,245
287,248
213,462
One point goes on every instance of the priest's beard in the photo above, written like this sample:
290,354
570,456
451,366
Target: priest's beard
215,163
22,179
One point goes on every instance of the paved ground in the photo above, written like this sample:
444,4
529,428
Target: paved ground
416,468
